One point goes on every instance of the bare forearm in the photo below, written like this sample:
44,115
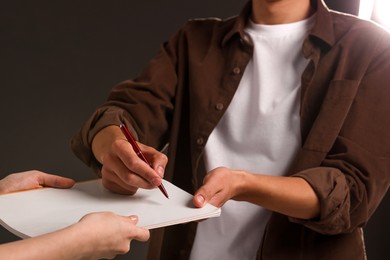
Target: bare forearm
62,245
290,196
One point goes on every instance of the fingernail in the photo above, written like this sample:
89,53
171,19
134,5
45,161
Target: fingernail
200,199
133,218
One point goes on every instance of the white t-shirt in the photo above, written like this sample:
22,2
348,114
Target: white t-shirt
259,133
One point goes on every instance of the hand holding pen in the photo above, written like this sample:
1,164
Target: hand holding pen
121,170
139,153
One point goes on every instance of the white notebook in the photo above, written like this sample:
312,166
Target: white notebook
36,212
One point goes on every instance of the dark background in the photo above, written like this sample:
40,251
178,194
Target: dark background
59,60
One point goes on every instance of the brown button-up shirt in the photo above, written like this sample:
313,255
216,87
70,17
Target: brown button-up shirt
345,119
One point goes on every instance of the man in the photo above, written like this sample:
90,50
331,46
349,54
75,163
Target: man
279,115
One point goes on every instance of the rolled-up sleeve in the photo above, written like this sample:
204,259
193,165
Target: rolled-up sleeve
355,174
101,118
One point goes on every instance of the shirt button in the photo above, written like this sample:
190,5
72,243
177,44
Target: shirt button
199,141
244,39
236,70
219,106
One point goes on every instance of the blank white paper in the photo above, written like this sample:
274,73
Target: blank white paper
40,211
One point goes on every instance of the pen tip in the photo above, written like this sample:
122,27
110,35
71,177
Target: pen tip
165,193
163,190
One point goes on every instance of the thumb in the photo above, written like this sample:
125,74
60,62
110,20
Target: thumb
199,200
50,180
201,197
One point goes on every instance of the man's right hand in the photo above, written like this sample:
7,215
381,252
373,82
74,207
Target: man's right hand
123,171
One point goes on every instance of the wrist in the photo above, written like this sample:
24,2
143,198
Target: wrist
241,184
103,140
86,246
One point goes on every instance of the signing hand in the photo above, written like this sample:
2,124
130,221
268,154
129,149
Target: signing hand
122,170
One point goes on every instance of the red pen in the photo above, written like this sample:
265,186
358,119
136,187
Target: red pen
138,151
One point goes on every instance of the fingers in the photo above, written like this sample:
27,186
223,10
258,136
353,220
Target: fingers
206,194
35,179
109,234
210,188
115,171
142,234
217,188
158,159
117,186
123,171
152,173
50,180
138,233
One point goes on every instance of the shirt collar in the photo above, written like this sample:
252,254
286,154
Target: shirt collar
239,24
323,27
